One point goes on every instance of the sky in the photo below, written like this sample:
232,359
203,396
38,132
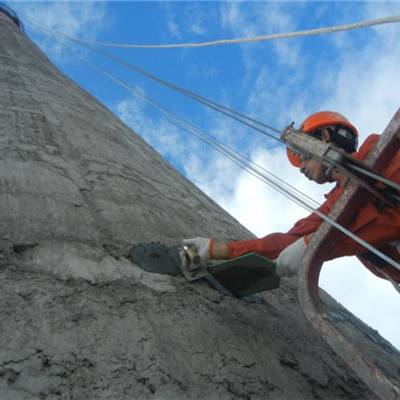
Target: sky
277,82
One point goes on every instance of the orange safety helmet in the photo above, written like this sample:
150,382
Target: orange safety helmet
317,121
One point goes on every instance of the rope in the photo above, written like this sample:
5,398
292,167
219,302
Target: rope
236,115
240,160
377,177
261,38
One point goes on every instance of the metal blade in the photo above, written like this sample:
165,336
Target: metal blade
156,257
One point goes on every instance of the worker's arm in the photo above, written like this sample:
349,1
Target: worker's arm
269,246
220,251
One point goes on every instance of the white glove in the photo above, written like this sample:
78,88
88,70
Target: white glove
290,259
202,246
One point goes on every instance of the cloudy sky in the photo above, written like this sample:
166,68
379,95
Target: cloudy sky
355,73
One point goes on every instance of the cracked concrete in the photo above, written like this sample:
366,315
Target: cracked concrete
78,320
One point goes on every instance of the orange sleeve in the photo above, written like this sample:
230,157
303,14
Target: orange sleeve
269,246
374,227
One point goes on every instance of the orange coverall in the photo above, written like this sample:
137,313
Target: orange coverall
381,229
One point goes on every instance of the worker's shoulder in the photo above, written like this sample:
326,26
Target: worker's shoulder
366,146
370,140
392,169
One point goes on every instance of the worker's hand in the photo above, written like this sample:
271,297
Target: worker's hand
290,259
202,247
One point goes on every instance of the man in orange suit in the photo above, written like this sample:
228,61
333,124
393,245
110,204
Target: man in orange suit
379,228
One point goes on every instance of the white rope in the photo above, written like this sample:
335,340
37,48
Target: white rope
261,38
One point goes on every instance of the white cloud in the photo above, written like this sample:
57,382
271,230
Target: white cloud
162,135
271,69
77,19
253,19
207,168
172,27
195,19
270,100
258,206
230,14
132,112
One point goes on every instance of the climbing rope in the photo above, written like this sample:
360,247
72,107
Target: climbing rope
277,183
261,38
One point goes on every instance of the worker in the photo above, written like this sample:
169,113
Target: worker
380,228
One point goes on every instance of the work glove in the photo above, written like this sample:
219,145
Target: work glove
202,247
290,259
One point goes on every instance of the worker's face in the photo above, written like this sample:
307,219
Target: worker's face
314,170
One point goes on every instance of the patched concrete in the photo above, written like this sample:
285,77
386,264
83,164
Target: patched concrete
81,261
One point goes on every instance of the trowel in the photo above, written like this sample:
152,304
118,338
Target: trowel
238,277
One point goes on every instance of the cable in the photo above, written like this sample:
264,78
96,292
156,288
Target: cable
260,38
236,115
238,158
249,168
187,125
377,177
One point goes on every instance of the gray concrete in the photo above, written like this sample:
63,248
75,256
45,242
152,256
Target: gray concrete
78,320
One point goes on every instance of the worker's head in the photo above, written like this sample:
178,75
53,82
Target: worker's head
327,126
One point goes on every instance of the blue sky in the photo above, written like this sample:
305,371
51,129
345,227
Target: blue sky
355,73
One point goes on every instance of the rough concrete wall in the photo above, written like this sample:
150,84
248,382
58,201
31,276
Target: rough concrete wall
156,337
78,320
77,173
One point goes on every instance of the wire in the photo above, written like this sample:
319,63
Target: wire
226,149
260,38
241,161
236,115
377,177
